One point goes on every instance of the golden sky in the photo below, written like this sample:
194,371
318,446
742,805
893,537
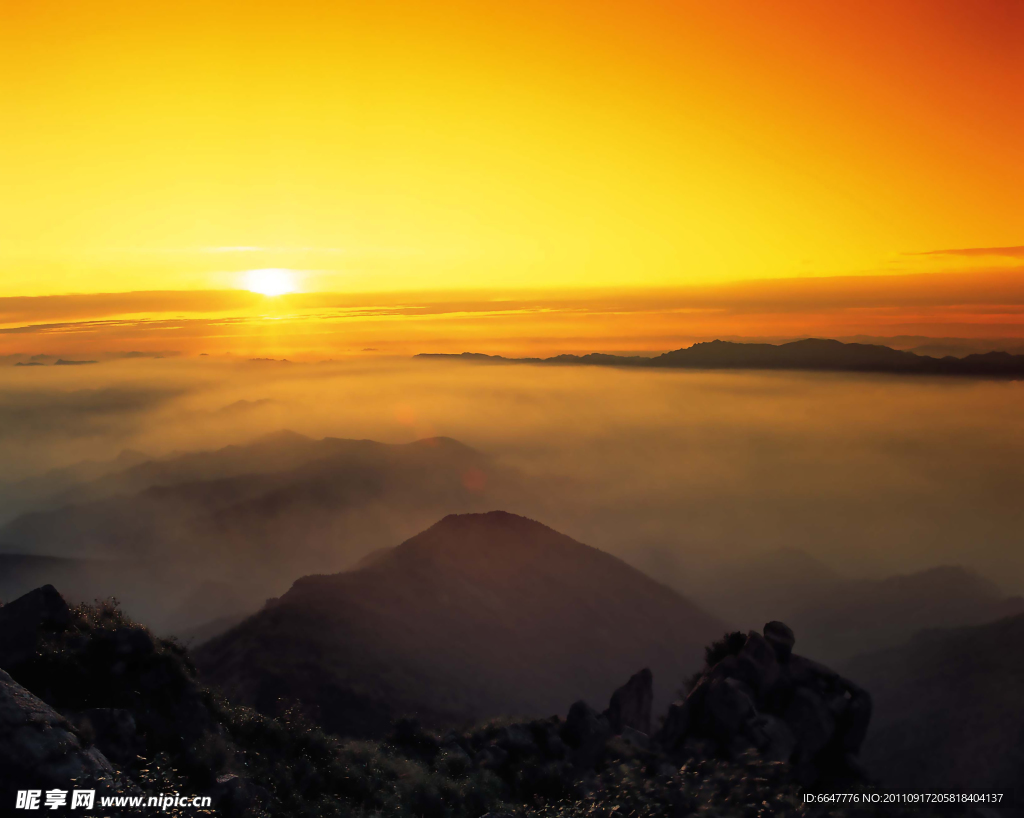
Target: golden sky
404,146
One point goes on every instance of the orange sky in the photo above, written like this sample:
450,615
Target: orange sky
451,146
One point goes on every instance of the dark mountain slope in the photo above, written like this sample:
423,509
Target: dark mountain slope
948,710
810,354
479,615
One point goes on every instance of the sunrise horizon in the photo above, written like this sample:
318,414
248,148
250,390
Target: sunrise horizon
536,409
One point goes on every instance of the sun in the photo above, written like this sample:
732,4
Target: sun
270,281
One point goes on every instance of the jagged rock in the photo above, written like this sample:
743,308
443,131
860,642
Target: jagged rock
630,705
586,731
781,638
758,666
38,747
727,705
810,720
762,696
583,724
676,724
806,672
22,619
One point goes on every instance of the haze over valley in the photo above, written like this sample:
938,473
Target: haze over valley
195,490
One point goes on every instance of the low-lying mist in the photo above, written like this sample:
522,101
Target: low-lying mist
688,475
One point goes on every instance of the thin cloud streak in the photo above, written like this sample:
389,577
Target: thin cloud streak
316,325
1005,252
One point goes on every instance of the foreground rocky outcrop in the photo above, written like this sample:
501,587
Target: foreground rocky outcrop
756,694
91,700
92,695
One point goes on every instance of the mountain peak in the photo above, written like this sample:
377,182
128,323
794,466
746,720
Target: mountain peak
489,520
496,541
478,615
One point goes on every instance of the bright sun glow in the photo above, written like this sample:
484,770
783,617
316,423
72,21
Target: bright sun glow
270,281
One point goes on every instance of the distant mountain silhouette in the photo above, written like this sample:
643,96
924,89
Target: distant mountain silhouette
258,516
838,617
865,614
49,490
809,354
948,710
479,615
274,452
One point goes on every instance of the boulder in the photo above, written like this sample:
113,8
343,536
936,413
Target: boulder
675,726
585,731
772,737
38,747
727,706
814,726
630,705
584,725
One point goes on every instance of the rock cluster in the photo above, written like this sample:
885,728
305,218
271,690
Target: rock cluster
87,702
93,697
764,697
542,756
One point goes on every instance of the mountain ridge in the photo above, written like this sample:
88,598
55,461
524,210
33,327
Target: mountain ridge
813,354
317,508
